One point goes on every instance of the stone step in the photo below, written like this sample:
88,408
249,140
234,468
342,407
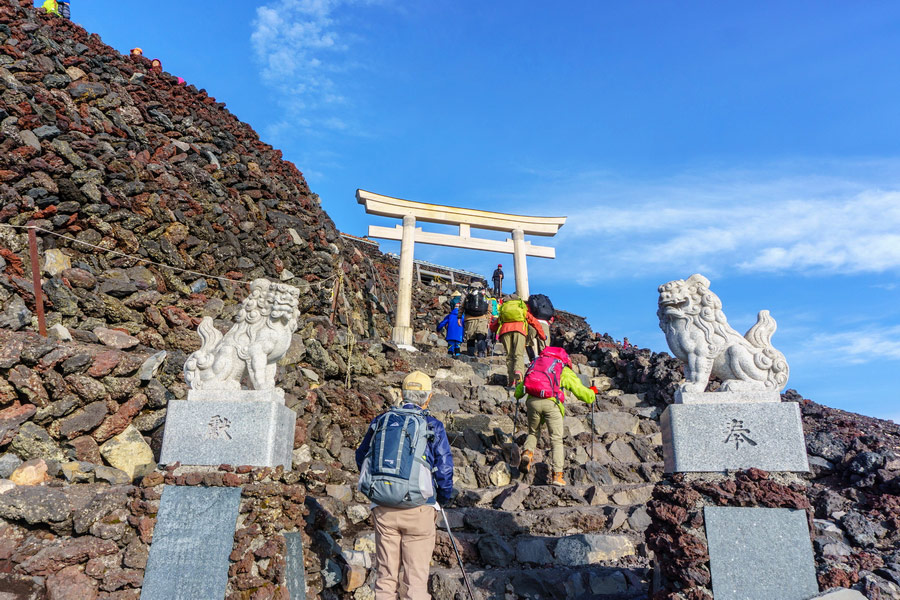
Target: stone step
548,522
579,549
544,496
555,583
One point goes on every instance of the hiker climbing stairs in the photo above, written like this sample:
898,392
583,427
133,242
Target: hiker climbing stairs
514,531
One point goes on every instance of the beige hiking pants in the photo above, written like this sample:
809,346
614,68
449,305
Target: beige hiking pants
545,410
403,536
534,342
514,345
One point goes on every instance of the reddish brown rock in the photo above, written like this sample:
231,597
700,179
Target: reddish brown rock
104,363
10,351
117,578
11,538
67,551
79,278
28,383
152,479
116,423
145,528
11,418
86,449
71,583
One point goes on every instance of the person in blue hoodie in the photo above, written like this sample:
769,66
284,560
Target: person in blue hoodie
454,322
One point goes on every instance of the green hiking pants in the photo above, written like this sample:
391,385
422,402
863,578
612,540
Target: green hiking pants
514,345
545,410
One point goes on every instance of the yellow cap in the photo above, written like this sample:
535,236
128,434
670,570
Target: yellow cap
417,380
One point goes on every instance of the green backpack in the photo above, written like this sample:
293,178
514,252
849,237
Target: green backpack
513,311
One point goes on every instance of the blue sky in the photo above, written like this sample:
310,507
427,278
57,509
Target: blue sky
756,143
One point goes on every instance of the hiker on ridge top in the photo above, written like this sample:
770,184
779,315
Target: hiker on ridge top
478,317
513,327
544,383
51,6
404,514
497,279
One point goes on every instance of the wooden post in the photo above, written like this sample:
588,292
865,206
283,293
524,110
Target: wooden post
336,291
36,281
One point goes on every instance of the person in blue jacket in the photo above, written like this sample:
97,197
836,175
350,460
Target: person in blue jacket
406,536
454,322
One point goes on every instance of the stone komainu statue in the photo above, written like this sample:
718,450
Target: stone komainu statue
697,333
260,336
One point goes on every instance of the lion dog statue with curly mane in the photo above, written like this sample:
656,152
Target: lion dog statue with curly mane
698,333
260,336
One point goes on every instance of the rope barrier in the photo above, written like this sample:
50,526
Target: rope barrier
146,260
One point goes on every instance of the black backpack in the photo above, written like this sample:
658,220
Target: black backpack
476,304
541,307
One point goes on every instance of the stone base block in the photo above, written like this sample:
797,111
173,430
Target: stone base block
726,437
244,427
402,336
760,553
726,397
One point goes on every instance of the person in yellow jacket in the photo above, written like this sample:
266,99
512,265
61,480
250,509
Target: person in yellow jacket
547,377
51,6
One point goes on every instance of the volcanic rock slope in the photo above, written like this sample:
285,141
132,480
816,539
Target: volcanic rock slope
97,148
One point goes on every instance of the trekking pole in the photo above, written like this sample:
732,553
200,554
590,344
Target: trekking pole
593,433
516,420
458,557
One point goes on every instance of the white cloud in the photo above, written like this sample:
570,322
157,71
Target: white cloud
763,222
858,346
300,47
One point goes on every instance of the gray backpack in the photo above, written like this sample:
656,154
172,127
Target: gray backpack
395,471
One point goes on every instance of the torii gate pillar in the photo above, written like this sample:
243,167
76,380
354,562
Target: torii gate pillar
465,219
403,331
521,269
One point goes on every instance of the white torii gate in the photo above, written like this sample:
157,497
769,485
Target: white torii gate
466,218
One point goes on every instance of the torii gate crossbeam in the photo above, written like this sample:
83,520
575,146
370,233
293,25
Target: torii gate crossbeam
465,219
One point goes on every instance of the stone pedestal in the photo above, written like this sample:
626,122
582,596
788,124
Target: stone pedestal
726,437
241,427
726,397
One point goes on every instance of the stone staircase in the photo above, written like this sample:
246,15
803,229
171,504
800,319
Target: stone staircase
519,536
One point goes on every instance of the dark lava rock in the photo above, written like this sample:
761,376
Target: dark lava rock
495,551
865,463
826,445
861,530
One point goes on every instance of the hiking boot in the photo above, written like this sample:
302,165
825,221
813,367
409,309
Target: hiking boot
525,461
558,479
